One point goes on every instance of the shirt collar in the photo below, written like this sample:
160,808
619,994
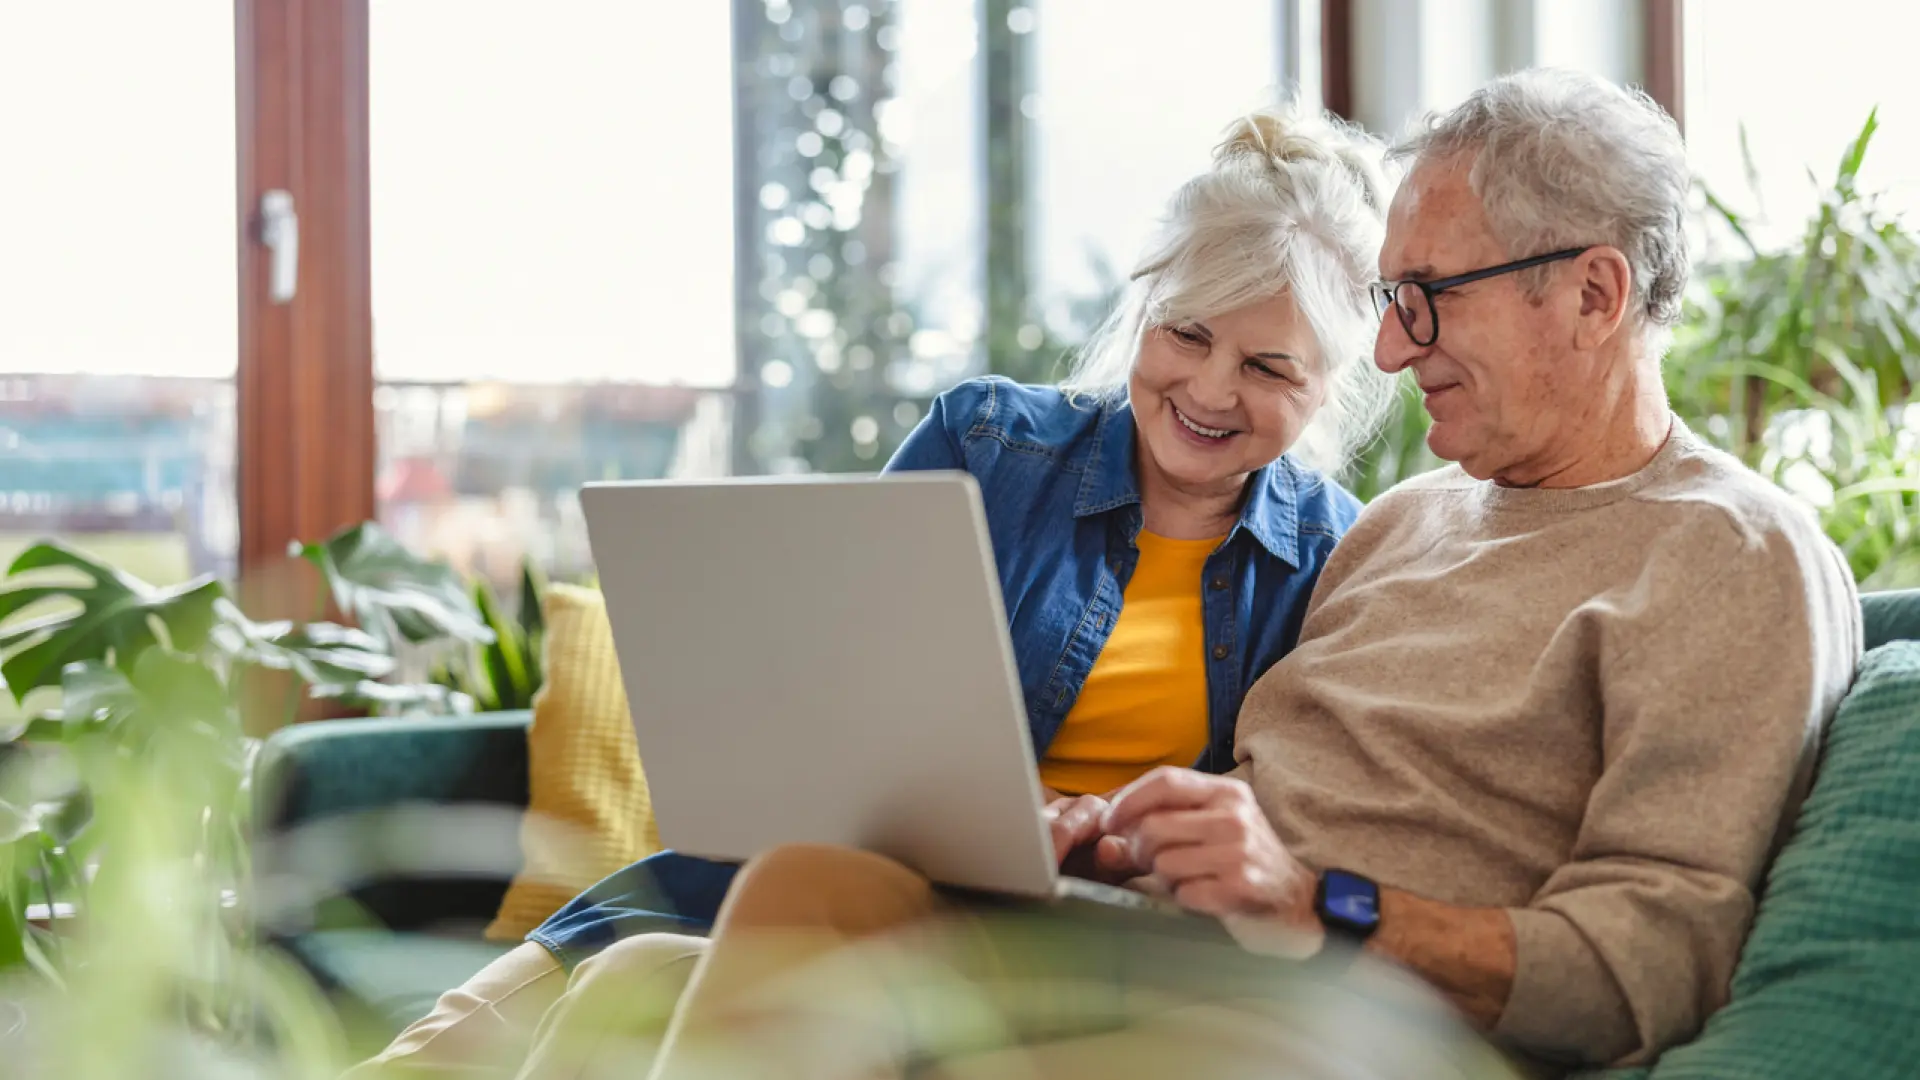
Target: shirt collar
1271,512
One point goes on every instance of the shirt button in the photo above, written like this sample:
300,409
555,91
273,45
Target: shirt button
1220,652
1219,584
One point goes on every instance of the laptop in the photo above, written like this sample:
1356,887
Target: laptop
825,659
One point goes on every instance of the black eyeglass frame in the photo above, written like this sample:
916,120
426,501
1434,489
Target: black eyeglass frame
1386,293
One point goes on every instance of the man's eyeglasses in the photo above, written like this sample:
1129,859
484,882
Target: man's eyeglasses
1413,300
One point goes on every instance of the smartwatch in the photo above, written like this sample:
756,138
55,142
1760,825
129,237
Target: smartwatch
1348,905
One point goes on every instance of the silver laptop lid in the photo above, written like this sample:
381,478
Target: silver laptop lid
823,660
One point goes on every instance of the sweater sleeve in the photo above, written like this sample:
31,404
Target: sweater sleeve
1716,682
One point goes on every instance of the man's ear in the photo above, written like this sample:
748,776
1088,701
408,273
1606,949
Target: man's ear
1606,290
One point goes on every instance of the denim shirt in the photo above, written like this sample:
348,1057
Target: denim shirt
1062,502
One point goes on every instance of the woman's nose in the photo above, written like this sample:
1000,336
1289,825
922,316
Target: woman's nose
1212,387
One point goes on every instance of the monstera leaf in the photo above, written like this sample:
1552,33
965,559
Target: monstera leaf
391,591
165,689
172,713
115,617
321,654
389,698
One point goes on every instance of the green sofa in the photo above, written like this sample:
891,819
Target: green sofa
386,845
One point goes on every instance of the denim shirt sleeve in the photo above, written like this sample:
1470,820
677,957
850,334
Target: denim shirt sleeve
934,443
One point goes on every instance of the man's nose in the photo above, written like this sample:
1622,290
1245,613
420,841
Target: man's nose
1393,347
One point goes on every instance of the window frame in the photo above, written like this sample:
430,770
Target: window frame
304,377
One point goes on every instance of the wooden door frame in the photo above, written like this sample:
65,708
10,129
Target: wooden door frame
304,382
1664,51
1336,57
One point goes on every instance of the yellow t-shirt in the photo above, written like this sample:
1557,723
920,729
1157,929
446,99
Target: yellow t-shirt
1145,701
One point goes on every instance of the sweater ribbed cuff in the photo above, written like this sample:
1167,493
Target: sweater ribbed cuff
1565,1004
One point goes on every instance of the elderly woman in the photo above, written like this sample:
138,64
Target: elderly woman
1156,525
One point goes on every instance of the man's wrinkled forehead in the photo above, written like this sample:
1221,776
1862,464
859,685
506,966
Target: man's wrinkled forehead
1435,224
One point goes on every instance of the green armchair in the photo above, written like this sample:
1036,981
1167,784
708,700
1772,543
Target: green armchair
383,848
386,845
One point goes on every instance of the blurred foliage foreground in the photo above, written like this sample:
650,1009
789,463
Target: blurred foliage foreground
125,907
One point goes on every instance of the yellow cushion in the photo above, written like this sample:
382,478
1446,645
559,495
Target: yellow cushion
589,813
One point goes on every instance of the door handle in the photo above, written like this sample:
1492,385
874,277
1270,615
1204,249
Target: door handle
280,232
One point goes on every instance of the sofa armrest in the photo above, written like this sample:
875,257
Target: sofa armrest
1891,616
407,823
329,767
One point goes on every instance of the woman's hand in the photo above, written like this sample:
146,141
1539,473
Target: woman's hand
1207,840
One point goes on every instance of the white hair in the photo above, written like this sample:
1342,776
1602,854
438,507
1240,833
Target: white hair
1294,203
1563,159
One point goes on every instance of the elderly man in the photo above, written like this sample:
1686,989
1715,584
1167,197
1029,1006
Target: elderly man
1553,704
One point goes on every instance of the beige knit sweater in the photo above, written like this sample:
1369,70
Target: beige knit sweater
1591,707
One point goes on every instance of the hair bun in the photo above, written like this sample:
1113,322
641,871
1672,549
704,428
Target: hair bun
1280,136
1274,134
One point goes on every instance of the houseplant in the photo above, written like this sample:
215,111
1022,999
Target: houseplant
1803,361
123,799
124,805
460,646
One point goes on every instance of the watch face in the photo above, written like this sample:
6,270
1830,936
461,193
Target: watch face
1351,899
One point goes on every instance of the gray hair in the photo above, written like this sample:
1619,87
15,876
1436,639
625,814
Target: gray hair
1294,203
1563,159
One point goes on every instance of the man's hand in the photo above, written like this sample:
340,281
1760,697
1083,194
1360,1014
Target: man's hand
1208,841
1074,821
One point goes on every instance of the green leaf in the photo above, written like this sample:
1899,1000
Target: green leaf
1857,152
1748,169
316,652
388,589
404,697
92,692
182,686
1733,221
19,821
504,660
170,697
115,617
13,920
1888,485
17,597
21,631
533,594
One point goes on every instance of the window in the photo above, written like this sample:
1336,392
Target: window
552,210
860,261
1413,56
1802,88
117,353
1131,100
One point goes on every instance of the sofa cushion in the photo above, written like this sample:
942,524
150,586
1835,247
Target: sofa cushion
589,812
1829,981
